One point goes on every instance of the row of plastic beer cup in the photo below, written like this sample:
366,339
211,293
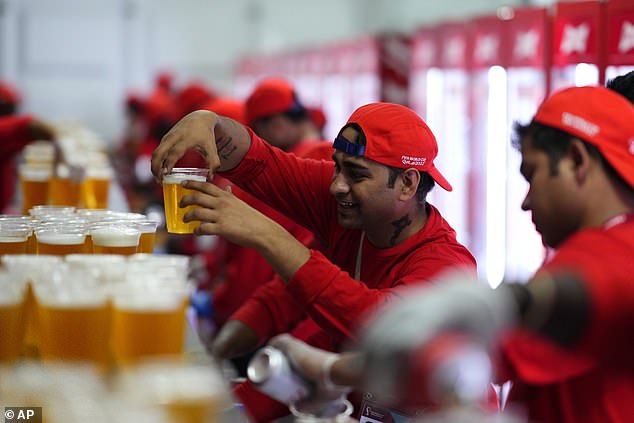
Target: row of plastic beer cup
158,391
93,308
64,232
40,187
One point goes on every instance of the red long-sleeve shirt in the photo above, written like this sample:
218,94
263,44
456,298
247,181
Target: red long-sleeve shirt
594,381
14,135
323,287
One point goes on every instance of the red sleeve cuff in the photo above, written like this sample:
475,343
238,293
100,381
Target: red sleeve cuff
304,286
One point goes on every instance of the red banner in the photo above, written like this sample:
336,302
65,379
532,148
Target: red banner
577,34
620,35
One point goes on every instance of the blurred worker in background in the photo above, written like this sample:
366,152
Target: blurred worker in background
370,212
16,131
276,114
575,364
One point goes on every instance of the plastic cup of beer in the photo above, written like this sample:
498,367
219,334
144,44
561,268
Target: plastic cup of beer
61,239
173,192
137,316
30,269
31,243
12,316
114,238
14,238
64,189
148,235
43,212
96,187
189,393
74,318
34,182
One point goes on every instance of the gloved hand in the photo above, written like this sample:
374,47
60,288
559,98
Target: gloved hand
455,303
313,364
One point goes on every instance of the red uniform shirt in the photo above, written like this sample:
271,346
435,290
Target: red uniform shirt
14,135
594,381
323,287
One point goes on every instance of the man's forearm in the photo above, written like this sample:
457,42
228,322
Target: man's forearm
283,252
232,143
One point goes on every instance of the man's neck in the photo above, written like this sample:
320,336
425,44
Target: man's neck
399,230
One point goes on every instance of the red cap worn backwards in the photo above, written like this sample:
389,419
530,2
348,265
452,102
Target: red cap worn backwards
599,116
271,96
395,136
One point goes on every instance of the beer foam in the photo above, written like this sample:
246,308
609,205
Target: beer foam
115,237
9,239
178,178
60,238
37,174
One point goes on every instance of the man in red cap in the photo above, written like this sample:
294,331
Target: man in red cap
16,131
275,113
370,212
575,364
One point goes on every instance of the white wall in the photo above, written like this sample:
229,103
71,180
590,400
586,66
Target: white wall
76,59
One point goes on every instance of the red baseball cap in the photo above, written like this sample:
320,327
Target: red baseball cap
395,136
228,107
271,96
8,94
599,116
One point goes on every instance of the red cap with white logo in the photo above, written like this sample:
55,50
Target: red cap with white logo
395,136
599,116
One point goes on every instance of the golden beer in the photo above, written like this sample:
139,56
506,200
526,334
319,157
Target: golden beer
60,243
33,193
146,242
12,324
147,331
114,240
34,182
13,245
31,244
148,235
74,332
64,192
172,194
96,193
14,238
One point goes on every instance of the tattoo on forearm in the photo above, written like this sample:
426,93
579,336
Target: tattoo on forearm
399,225
225,147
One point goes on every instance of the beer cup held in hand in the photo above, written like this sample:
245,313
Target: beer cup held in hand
173,191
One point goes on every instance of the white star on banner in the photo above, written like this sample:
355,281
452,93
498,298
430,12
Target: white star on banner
526,44
486,48
575,39
627,37
454,51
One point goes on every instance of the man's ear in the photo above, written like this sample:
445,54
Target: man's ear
581,159
410,180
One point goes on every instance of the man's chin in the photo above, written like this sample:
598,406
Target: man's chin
349,223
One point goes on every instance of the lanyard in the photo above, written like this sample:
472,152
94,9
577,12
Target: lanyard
357,268
618,219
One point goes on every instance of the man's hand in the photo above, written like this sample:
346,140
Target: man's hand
221,141
40,130
315,365
234,339
221,213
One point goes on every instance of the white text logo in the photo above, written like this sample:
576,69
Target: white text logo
579,123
